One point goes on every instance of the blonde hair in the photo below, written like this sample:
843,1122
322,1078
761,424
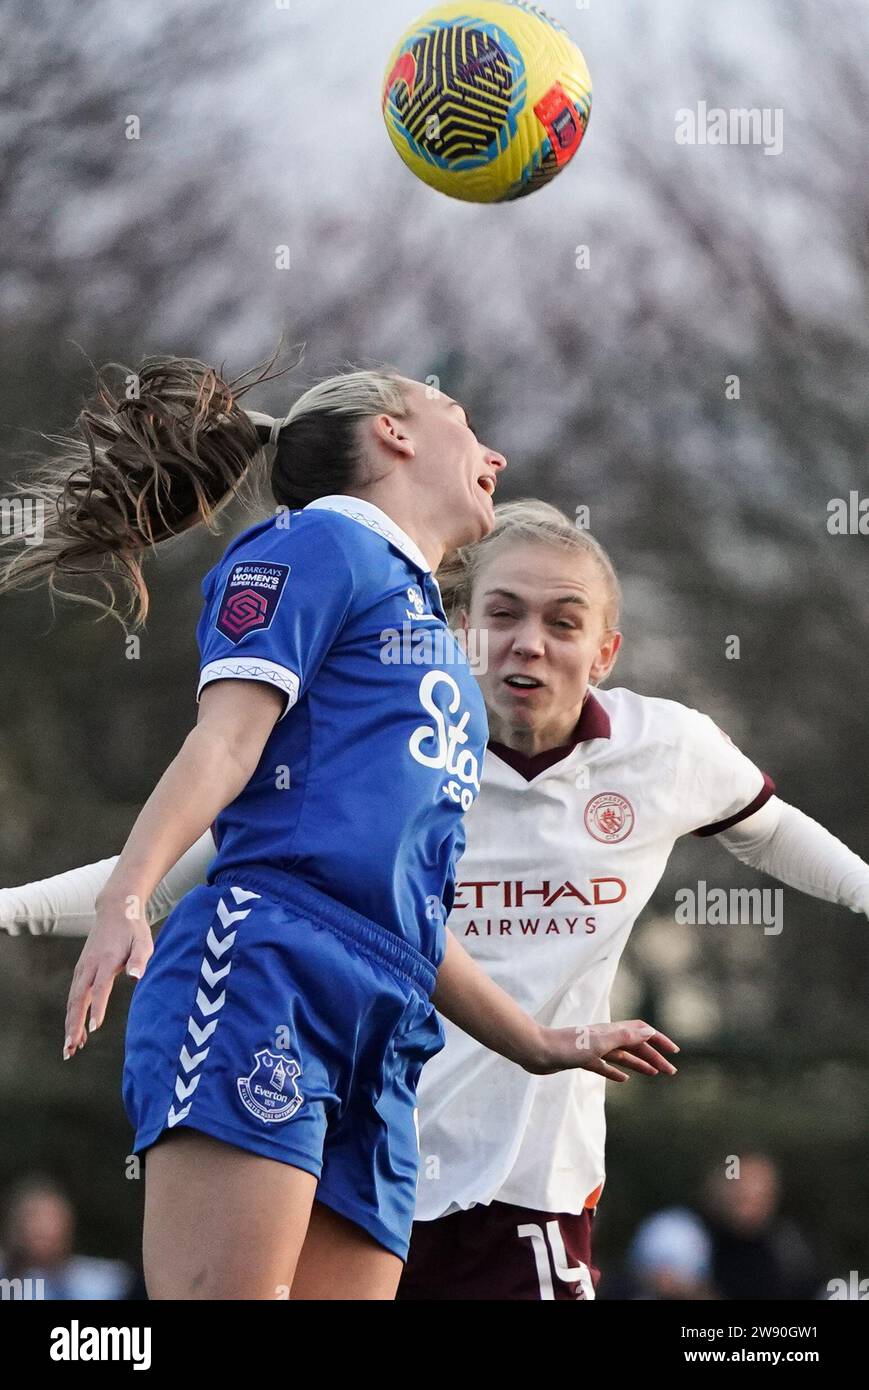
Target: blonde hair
147,466
356,393
525,520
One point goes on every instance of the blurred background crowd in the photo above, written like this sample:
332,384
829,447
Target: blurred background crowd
735,1244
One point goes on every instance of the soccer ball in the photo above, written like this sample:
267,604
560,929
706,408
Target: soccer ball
486,100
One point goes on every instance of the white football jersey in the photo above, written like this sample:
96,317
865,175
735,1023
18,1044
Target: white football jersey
561,858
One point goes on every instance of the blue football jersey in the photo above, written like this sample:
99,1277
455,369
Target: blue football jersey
364,779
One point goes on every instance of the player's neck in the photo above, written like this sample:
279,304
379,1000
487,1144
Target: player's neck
406,515
530,742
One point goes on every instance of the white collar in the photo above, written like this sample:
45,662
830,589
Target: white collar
376,520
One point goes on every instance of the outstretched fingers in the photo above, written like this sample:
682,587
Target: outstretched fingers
653,1062
639,1047
625,1058
643,1059
94,979
77,1005
604,1068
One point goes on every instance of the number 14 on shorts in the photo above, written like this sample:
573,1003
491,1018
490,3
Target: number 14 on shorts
550,1256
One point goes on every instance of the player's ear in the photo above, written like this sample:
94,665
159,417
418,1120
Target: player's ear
606,656
391,432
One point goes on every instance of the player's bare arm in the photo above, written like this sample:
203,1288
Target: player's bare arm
214,764
469,998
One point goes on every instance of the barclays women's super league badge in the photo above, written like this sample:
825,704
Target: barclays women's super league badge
265,1092
250,597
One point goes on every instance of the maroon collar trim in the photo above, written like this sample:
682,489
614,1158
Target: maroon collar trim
594,722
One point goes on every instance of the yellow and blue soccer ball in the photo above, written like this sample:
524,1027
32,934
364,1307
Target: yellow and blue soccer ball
486,101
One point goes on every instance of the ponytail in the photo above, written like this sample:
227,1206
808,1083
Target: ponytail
144,465
148,466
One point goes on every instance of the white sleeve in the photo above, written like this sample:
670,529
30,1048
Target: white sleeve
718,785
65,904
783,842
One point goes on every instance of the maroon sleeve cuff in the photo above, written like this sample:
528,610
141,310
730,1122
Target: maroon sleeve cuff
763,796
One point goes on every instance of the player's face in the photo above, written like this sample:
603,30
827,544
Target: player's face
544,611
454,474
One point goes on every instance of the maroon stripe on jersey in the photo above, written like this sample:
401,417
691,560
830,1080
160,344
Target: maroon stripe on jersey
500,1252
763,796
594,722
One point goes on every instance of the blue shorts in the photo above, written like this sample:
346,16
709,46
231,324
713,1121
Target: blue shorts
276,1019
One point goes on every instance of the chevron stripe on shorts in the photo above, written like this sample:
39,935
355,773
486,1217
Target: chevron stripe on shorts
203,1021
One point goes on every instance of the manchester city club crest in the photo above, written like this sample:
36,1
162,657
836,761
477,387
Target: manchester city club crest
270,1091
609,817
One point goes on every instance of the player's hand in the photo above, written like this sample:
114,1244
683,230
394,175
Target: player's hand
120,940
597,1046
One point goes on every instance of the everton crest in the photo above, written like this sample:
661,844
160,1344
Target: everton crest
270,1091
